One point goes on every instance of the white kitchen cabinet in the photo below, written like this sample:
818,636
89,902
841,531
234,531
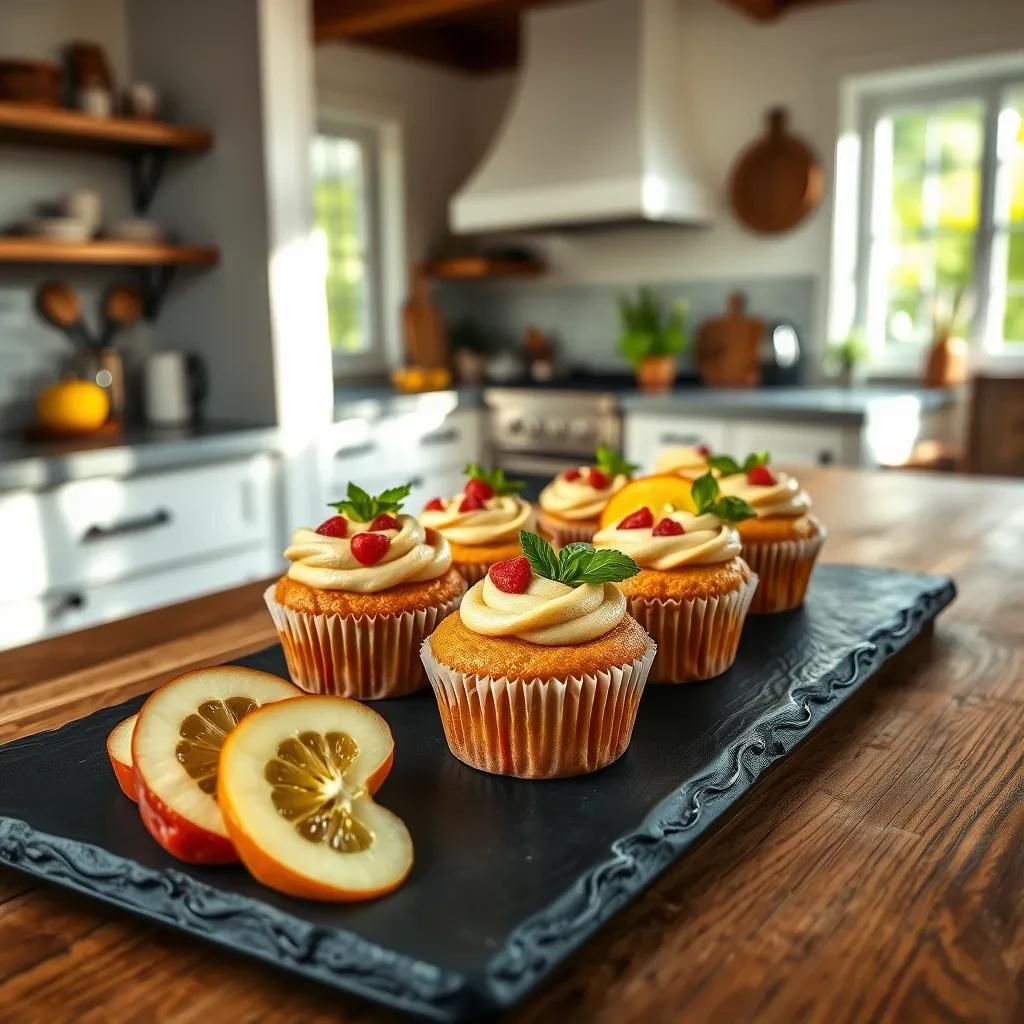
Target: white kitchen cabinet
645,436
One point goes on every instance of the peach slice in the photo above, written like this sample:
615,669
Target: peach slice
653,491
119,750
175,748
295,787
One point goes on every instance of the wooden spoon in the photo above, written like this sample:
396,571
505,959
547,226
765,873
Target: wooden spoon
57,303
122,307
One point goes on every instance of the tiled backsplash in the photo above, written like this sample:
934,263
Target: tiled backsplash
584,318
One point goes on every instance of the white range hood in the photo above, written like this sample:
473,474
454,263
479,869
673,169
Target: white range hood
596,131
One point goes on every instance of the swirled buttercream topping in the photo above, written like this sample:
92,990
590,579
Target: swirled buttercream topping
548,613
689,458
327,563
579,499
784,497
497,522
705,540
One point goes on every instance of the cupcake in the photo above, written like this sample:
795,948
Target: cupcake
571,505
690,460
540,672
693,589
482,524
783,542
362,591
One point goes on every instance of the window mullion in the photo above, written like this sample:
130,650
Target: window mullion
988,313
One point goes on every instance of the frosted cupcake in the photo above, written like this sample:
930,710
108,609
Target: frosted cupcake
782,544
540,672
693,589
689,460
571,505
362,591
482,524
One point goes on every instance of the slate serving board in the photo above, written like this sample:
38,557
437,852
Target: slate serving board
510,876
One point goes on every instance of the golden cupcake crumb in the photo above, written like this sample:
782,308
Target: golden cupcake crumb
688,582
486,554
767,529
406,597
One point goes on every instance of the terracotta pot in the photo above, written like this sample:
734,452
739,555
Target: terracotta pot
656,373
946,365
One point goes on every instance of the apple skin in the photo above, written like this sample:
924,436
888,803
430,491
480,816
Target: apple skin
180,837
124,775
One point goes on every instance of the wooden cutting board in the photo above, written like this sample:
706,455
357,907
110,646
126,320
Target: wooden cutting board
426,340
728,347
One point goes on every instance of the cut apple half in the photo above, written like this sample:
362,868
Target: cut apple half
119,750
296,787
175,749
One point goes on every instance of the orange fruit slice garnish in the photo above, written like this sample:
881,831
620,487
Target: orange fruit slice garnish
295,786
654,492
119,750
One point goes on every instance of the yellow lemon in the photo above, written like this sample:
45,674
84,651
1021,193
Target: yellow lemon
73,407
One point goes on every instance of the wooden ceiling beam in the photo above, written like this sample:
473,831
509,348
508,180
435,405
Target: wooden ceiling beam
355,19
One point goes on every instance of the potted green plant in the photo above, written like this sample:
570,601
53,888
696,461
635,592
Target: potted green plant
651,341
848,358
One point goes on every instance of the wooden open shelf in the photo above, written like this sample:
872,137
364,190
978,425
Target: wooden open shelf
28,123
106,253
479,268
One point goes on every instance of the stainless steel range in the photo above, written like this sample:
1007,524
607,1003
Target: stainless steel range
535,433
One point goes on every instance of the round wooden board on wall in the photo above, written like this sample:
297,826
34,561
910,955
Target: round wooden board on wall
777,181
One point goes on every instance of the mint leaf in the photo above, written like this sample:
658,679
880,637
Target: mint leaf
570,558
755,459
725,464
362,507
495,478
732,509
704,492
540,554
611,462
604,565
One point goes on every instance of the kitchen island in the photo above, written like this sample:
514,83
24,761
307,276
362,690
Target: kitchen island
874,875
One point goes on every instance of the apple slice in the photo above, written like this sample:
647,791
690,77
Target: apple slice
119,750
295,787
175,747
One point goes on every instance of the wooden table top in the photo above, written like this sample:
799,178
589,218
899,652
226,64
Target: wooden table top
876,874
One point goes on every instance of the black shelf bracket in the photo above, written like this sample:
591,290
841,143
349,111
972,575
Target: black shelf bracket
153,283
147,167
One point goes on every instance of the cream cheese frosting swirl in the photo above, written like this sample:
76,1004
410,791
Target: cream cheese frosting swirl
683,459
498,522
578,499
785,497
327,563
706,540
549,613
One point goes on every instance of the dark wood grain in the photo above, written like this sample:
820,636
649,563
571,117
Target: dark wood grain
876,875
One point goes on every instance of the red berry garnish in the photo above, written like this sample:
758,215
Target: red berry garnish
429,535
762,476
703,449
641,519
511,576
572,474
668,528
434,505
333,527
385,522
478,489
597,479
470,503
369,548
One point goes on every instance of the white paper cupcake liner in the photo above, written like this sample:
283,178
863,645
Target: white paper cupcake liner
367,657
697,639
538,729
785,568
561,532
472,572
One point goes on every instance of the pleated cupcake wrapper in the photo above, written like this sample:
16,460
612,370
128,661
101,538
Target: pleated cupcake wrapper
561,533
538,729
697,638
472,572
785,568
368,657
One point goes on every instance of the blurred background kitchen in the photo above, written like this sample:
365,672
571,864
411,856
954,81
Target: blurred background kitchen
253,249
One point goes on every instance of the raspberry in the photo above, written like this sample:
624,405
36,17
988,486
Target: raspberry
641,519
385,522
703,449
511,576
478,489
434,505
762,476
598,480
333,527
571,474
470,503
369,548
429,535
668,528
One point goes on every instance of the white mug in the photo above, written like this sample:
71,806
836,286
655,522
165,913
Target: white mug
143,100
85,205
175,384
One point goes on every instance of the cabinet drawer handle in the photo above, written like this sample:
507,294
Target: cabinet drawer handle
355,451
826,457
680,439
70,601
440,437
161,517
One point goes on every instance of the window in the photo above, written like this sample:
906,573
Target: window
942,217
346,164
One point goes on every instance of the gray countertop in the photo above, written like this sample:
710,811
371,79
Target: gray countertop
39,464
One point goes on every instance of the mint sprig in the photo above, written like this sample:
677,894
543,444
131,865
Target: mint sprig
611,462
363,507
728,466
706,496
576,563
495,478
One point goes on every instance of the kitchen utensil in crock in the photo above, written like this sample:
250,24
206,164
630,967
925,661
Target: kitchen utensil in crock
122,307
57,303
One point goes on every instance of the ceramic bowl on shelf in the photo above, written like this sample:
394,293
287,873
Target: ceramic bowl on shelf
136,229
61,229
